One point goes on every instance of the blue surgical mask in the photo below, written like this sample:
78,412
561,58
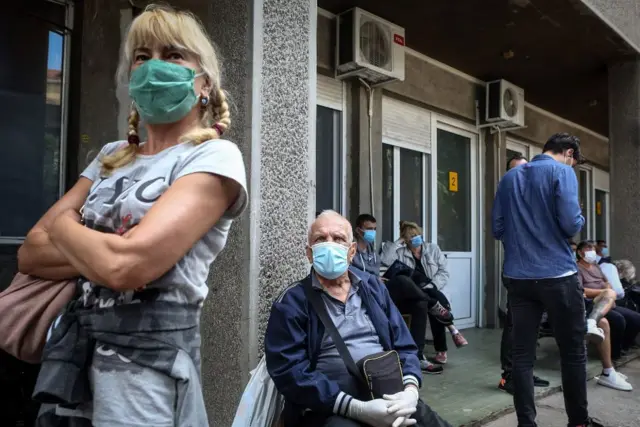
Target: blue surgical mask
605,252
369,236
416,241
330,259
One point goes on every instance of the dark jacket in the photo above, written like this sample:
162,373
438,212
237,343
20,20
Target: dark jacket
294,337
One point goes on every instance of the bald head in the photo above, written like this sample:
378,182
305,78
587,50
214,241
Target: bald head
515,162
330,226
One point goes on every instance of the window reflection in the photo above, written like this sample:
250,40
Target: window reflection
53,116
328,161
31,83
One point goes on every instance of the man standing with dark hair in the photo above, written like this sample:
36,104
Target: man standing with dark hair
506,382
535,212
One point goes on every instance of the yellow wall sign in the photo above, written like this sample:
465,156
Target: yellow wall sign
598,208
453,181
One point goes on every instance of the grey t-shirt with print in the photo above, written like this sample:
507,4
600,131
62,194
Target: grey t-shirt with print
120,200
115,204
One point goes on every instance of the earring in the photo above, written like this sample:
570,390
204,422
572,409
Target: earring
204,101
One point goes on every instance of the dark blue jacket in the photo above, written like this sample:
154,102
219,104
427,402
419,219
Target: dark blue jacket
535,213
294,336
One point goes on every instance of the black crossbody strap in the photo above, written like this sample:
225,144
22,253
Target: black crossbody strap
315,298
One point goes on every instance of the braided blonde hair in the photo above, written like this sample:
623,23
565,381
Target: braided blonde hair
168,27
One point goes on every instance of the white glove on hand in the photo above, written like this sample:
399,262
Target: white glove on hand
404,404
374,413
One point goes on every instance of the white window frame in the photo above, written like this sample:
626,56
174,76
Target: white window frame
600,180
429,194
396,180
439,121
590,205
529,150
338,102
64,108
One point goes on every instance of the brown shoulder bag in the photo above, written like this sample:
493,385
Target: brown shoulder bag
27,308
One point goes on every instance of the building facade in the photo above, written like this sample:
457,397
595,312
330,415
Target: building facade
407,150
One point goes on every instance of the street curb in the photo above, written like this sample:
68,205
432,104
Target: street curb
541,395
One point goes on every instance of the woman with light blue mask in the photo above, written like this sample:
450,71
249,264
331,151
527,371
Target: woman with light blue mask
430,274
156,215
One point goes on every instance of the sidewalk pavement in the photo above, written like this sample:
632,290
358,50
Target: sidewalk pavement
611,407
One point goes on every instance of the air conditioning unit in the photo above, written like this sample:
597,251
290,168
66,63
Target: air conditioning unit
369,47
504,104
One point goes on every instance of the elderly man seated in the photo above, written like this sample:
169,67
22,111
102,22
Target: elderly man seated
310,368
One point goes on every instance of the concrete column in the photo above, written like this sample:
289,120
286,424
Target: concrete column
624,158
495,165
359,163
100,46
268,48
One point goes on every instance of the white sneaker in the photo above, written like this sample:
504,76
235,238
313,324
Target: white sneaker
594,334
614,380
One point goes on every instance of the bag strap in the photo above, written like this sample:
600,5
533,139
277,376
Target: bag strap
315,298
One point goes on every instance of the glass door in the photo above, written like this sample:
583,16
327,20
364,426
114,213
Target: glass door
456,222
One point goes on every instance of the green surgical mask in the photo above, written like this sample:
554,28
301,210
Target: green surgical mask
163,92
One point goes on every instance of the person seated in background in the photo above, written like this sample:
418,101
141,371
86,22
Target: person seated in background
602,250
415,303
606,265
366,258
627,274
429,272
574,248
624,323
305,363
599,303
609,376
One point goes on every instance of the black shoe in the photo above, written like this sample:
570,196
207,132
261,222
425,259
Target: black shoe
429,368
594,423
539,382
506,385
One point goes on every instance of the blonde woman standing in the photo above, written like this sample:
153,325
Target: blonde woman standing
156,215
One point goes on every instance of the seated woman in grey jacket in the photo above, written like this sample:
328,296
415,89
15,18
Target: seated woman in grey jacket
429,275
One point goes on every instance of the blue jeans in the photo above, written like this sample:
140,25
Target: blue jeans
562,299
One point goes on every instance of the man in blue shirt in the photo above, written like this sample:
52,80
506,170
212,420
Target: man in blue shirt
535,213
506,383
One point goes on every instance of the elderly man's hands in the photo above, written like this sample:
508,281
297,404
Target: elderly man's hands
404,404
376,413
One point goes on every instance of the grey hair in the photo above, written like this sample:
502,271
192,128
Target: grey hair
626,269
331,213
